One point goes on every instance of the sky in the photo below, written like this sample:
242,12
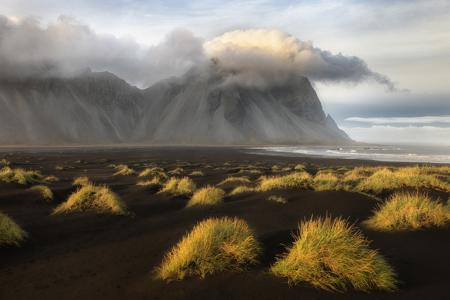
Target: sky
380,68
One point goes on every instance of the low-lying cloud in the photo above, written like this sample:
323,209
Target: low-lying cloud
251,57
259,56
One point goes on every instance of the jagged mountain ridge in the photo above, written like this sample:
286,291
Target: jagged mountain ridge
100,108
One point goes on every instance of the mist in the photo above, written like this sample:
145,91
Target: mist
255,57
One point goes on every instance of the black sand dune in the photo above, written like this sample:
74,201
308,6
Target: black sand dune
101,256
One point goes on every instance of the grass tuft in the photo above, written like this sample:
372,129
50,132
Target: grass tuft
243,189
156,172
207,195
295,180
197,173
325,180
155,180
416,177
332,255
213,245
406,211
278,199
10,232
243,179
51,178
44,191
5,162
183,187
177,171
124,170
20,176
83,181
92,197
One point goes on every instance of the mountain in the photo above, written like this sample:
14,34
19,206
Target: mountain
100,108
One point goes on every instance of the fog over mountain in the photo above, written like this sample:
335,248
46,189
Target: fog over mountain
252,57
200,107
243,87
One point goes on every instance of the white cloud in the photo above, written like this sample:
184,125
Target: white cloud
262,57
411,135
402,120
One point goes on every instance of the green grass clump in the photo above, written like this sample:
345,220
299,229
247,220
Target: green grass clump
10,232
124,170
214,245
183,187
406,211
44,191
20,176
59,168
278,199
243,179
197,173
92,197
332,255
292,181
207,195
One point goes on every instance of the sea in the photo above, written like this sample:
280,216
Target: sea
411,154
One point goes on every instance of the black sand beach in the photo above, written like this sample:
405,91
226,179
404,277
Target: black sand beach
88,255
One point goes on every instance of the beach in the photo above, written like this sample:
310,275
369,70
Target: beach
90,255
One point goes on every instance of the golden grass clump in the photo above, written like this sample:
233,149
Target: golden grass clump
20,176
92,197
177,171
5,162
51,178
156,172
183,187
300,167
124,170
10,232
243,189
197,173
294,180
44,191
278,199
213,245
332,255
243,179
416,177
155,180
325,180
82,180
406,211
207,195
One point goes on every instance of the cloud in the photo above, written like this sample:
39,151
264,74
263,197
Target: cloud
253,57
410,135
66,46
403,120
260,56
